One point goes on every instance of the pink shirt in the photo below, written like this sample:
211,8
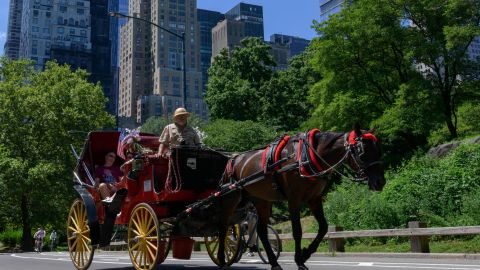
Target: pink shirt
108,175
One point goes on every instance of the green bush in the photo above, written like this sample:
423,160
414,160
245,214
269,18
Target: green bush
434,190
354,207
11,238
233,135
440,192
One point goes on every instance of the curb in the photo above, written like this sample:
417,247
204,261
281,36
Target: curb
465,256
459,256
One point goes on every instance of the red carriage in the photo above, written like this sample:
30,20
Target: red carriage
153,200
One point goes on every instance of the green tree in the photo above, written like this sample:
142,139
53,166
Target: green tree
155,125
369,56
38,111
234,84
235,136
285,96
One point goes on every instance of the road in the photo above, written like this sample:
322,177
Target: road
121,261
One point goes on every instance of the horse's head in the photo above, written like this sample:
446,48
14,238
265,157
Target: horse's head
365,158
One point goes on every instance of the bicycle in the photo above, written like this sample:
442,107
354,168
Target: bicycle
246,244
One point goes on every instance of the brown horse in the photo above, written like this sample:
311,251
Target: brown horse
298,180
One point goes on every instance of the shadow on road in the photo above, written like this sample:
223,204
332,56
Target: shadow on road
181,267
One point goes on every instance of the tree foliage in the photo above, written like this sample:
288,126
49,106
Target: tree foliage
155,125
235,136
38,111
399,65
233,88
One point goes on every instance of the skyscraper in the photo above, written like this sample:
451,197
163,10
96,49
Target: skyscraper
252,15
115,24
296,44
56,29
179,16
12,44
135,61
329,7
70,32
243,20
151,65
206,21
101,51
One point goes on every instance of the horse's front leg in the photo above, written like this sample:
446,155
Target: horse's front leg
263,211
294,211
316,207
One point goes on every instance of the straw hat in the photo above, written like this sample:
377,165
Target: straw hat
180,111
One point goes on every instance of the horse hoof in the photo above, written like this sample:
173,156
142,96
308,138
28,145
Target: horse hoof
278,267
302,267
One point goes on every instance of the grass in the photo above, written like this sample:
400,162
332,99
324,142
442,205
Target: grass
436,246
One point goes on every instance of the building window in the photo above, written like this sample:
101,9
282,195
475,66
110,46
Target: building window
72,31
35,29
35,13
61,30
62,8
34,50
83,33
79,11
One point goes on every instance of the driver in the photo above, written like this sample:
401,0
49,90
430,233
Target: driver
178,133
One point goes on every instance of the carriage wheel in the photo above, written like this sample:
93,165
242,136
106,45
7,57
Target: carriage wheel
232,245
145,246
275,243
78,233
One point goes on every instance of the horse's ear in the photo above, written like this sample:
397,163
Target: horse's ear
372,130
357,128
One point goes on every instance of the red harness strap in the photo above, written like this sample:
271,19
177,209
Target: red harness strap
310,156
277,149
368,136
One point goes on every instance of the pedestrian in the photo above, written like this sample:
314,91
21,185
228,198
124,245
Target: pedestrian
53,240
178,133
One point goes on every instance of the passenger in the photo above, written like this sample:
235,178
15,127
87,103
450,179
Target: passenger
107,176
178,133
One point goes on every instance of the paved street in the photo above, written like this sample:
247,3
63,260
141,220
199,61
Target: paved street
120,260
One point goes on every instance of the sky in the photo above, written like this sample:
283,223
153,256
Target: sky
289,17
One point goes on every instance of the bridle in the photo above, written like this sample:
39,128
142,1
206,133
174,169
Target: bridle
355,151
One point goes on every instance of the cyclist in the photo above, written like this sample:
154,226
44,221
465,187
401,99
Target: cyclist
39,235
251,221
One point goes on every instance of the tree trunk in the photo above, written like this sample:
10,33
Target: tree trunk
448,115
27,240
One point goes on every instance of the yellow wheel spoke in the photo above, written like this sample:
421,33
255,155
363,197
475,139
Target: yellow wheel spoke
87,248
148,224
151,252
136,255
152,245
137,226
74,244
74,223
151,230
151,238
134,247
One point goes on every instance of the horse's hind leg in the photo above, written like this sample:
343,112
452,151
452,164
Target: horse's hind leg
263,211
294,211
222,234
317,210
